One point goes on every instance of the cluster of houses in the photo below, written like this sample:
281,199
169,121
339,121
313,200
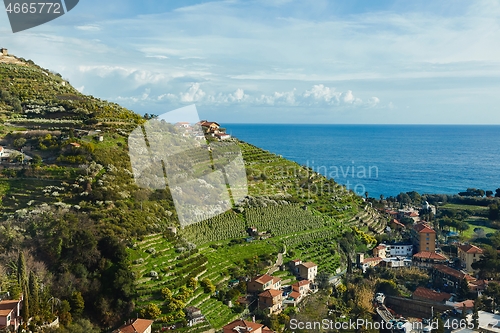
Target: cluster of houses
272,297
210,128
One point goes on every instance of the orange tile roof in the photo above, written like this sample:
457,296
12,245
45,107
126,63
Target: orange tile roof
276,279
270,293
294,294
6,306
469,248
453,272
432,295
372,259
263,279
429,255
469,303
301,283
251,326
422,227
309,264
138,326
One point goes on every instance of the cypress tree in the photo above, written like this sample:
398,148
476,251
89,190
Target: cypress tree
34,294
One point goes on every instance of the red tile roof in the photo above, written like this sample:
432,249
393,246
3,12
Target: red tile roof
372,259
432,295
294,294
270,293
246,325
263,279
468,304
396,222
276,279
453,272
469,248
429,255
138,326
380,247
302,283
309,264
422,227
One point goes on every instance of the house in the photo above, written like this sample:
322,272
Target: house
459,306
243,326
469,254
364,263
302,287
222,136
4,51
271,300
396,262
379,251
183,124
424,294
294,265
294,297
449,276
308,270
209,126
136,326
428,259
396,225
194,315
10,314
399,250
423,237
262,283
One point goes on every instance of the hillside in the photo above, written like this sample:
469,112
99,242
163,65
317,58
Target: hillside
69,202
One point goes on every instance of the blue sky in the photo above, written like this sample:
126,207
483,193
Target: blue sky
280,61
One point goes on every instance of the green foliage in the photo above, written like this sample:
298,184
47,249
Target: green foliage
151,311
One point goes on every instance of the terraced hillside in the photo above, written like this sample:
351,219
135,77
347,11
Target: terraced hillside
76,208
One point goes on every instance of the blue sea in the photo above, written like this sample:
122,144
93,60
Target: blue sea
387,159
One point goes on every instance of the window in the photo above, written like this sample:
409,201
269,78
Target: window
427,248
427,239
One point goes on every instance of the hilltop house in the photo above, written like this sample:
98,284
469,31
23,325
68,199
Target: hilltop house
4,51
271,300
209,126
10,315
469,254
243,326
262,283
136,326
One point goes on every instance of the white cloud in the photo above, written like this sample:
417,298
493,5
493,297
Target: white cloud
88,27
194,94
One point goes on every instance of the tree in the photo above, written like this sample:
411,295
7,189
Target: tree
489,194
192,283
77,303
151,311
463,290
475,315
493,213
497,193
166,294
34,294
323,280
19,143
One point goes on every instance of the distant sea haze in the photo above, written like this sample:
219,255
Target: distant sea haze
387,159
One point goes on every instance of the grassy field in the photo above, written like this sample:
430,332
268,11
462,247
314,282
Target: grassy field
464,207
477,223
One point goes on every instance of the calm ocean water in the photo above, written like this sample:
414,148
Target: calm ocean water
387,159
